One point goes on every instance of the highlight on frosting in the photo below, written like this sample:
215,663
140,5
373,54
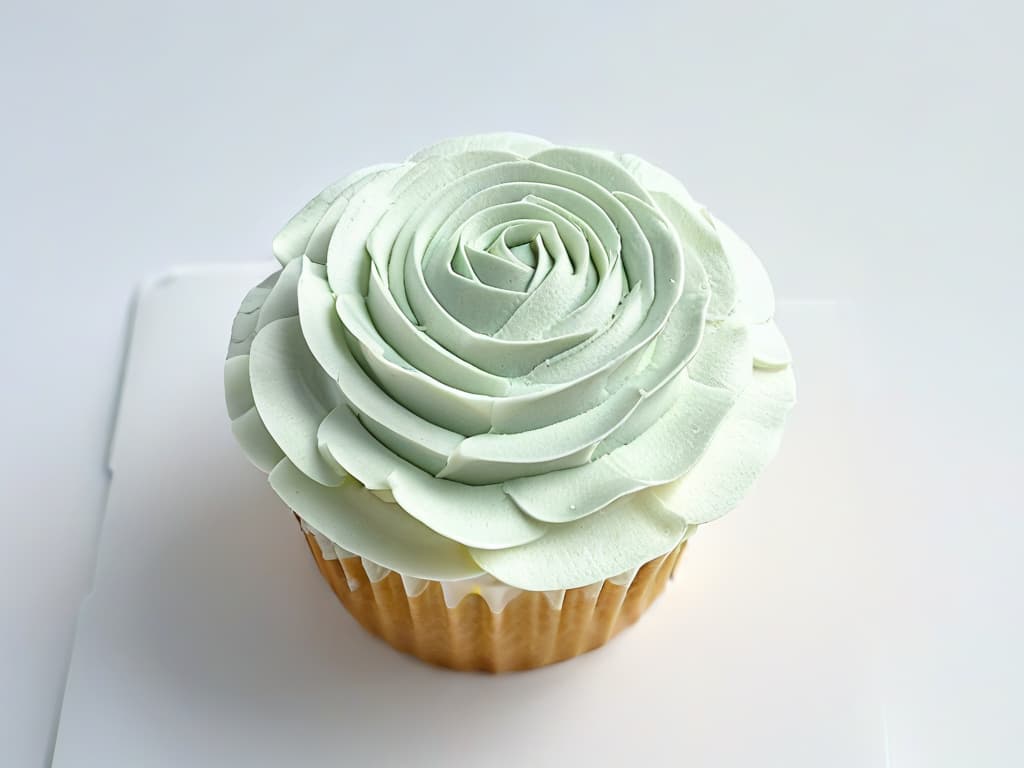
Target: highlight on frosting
508,358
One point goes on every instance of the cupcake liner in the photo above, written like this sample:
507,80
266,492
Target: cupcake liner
468,630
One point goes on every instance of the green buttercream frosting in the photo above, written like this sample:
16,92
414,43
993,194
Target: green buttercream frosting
543,363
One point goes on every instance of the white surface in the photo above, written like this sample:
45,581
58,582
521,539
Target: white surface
867,150
211,639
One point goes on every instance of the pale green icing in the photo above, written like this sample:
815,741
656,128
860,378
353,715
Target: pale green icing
618,537
747,439
543,363
293,395
372,528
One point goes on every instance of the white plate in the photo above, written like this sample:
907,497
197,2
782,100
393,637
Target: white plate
210,640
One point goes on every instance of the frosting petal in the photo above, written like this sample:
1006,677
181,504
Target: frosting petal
755,297
626,532
243,329
292,395
668,449
481,516
292,241
699,234
372,528
282,301
747,440
769,346
257,444
246,423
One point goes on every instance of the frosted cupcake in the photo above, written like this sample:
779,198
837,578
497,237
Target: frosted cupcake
500,385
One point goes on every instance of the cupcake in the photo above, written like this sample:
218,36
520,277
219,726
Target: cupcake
500,385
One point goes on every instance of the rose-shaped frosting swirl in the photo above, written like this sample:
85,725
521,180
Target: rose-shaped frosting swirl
544,363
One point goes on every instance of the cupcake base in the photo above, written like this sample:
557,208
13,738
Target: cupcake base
530,631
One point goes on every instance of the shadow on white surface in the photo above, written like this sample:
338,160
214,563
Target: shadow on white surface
210,638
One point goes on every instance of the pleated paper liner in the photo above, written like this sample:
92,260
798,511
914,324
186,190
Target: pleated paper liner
530,631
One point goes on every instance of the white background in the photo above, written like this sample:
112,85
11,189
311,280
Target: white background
210,638
868,151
